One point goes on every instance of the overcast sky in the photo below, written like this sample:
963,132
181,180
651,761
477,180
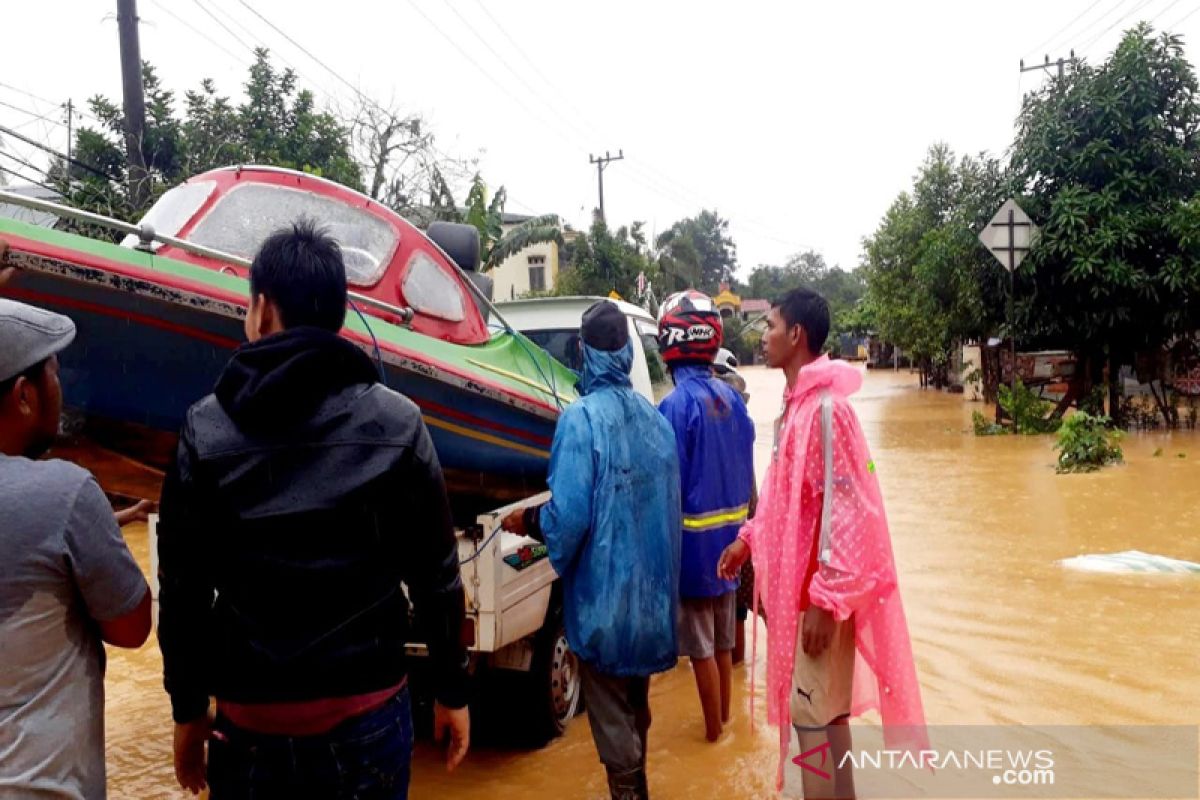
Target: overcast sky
797,121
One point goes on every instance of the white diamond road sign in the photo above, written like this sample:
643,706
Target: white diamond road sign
1009,235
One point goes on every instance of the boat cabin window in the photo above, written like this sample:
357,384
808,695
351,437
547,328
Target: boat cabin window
241,220
429,289
173,210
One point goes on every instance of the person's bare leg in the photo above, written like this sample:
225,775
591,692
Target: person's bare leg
840,741
739,642
725,671
708,684
817,778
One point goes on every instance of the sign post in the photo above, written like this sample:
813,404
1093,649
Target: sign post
1009,236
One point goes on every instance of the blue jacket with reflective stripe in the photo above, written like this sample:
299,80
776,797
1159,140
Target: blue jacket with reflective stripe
715,440
612,525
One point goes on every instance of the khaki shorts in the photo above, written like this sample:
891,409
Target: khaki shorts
821,686
707,625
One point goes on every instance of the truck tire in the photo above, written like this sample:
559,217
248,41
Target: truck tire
555,686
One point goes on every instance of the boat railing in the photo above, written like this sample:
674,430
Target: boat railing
147,236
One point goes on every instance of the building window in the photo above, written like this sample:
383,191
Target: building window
537,273
537,279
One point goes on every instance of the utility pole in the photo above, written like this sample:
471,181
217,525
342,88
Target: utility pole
1048,64
134,101
69,107
601,162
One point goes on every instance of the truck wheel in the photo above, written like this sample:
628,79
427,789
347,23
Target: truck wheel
557,688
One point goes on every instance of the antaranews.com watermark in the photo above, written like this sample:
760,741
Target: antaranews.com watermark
1008,761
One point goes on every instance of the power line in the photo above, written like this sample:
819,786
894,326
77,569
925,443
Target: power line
470,59
41,99
257,39
306,52
25,163
34,114
200,33
1170,5
27,179
1184,18
1052,36
224,27
1135,10
652,178
1079,34
54,152
449,4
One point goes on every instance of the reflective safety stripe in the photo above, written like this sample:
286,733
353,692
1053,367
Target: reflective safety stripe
716,519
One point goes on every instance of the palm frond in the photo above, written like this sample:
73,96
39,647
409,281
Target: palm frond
547,228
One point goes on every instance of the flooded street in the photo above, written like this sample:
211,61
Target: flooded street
1001,632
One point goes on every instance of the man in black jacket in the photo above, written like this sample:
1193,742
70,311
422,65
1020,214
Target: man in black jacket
304,492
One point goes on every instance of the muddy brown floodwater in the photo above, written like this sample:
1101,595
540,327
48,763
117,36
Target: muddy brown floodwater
1002,634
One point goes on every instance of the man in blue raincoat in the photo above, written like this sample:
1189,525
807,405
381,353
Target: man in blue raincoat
715,439
613,533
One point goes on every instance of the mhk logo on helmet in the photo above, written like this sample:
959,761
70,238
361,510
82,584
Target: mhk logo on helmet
696,333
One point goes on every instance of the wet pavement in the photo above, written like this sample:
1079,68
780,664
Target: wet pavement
1001,633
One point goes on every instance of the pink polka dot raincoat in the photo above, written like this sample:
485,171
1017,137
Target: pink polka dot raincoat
856,576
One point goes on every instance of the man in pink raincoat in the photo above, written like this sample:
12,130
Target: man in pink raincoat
837,642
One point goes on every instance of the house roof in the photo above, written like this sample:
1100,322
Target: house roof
756,306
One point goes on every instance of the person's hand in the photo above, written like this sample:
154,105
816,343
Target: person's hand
5,272
515,522
732,560
817,631
137,513
457,723
191,769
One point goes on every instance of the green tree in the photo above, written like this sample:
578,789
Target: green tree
929,283
606,261
843,290
1109,158
697,252
487,216
277,124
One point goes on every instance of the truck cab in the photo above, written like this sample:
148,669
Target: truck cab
553,324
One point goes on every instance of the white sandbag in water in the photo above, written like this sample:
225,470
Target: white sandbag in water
1130,562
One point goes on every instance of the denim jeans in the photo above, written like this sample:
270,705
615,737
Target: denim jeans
365,758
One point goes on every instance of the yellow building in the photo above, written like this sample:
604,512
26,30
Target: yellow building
534,269
727,302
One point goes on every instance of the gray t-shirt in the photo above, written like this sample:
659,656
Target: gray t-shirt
63,565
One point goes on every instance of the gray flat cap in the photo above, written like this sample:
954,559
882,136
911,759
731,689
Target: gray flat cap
29,335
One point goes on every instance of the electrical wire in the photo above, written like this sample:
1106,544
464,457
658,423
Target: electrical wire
374,341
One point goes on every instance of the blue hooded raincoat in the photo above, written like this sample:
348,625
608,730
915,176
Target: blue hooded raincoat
612,527
716,455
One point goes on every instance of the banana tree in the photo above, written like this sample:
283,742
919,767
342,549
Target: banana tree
487,216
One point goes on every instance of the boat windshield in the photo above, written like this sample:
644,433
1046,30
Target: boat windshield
241,220
173,210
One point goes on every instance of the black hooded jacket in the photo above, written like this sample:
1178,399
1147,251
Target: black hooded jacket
303,493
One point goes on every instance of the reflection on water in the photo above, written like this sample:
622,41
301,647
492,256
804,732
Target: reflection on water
1002,633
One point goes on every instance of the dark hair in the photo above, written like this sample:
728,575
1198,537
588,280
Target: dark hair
32,373
301,270
808,309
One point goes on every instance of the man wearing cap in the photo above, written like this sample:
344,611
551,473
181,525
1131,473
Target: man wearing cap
612,530
67,579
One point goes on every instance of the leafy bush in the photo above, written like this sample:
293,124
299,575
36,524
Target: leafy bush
1085,443
1027,411
985,427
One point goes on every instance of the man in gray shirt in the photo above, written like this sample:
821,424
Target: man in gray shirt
67,580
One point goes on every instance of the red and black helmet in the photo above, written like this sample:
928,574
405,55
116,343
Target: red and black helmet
689,328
